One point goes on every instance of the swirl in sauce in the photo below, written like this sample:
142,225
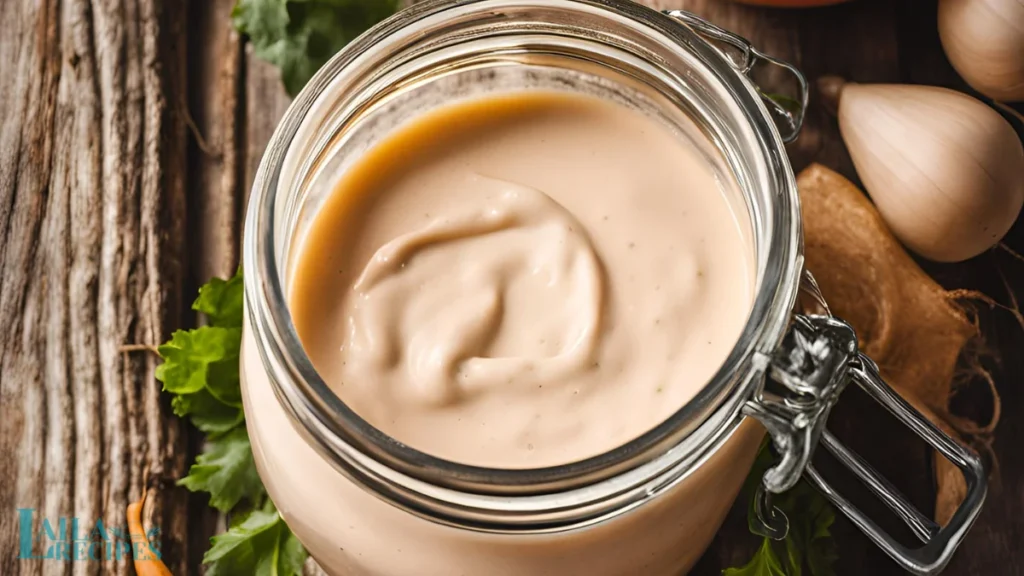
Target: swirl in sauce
532,271
523,281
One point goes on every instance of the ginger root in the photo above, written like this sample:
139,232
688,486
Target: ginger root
913,328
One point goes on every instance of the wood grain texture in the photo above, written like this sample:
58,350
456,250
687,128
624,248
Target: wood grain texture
215,171
216,157
91,214
265,104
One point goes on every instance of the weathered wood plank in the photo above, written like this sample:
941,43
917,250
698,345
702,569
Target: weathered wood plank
216,156
215,172
265,104
92,212
35,74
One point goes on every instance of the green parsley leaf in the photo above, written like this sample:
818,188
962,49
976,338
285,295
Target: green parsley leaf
221,301
261,544
809,543
204,358
201,372
208,414
794,558
762,463
300,36
226,470
817,540
764,563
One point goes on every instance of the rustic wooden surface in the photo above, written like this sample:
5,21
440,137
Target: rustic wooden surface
130,131
92,220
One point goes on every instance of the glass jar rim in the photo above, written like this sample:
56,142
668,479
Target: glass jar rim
320,411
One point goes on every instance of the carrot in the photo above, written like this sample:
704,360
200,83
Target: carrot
147,560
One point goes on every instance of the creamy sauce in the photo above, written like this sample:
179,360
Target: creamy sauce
523,281
513,282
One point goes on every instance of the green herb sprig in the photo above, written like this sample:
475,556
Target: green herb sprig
201,372
299,36
808,548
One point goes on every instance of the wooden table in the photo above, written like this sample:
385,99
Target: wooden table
129,135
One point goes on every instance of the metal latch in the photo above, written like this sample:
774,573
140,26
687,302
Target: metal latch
817,359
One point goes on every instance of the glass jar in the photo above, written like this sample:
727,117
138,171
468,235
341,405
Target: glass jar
365,504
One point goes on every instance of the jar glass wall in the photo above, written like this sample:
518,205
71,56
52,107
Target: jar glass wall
365,504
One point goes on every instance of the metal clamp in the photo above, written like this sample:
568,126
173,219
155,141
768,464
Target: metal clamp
787,112
817,359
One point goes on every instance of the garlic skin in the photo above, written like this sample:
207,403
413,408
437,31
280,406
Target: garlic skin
945,171
984,40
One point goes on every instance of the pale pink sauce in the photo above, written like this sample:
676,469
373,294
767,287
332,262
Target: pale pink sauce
523,281
514,282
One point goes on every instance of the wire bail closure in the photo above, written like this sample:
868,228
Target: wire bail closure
817,359
787,111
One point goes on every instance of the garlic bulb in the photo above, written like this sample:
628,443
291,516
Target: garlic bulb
984,40
945,171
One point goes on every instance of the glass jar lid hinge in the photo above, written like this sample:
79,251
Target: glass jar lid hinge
816,360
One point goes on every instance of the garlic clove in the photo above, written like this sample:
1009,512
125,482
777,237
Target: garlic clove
945,171
984,40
